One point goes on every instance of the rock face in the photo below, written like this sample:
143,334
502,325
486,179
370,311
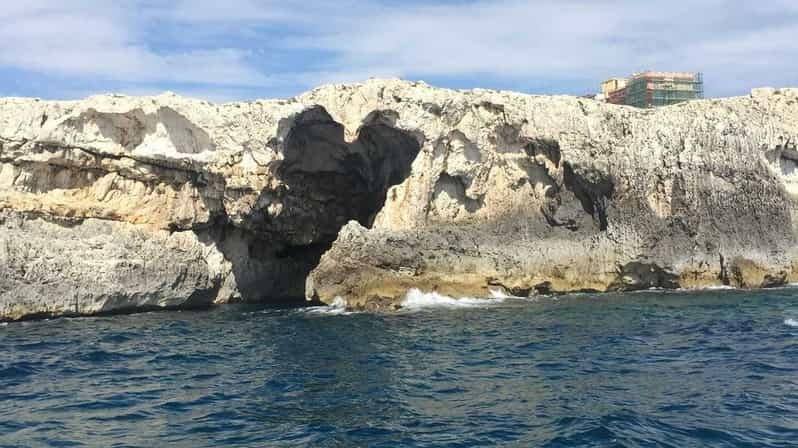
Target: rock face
119,203
530,195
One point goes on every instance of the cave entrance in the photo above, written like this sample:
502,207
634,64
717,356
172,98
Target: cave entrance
331,181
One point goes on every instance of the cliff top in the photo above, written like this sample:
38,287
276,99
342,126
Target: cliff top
171,126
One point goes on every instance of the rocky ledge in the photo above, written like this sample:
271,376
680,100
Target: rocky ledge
364,191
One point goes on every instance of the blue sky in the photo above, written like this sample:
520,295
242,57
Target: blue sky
248,49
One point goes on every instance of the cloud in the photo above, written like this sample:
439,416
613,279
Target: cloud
251,48
100,40
536,42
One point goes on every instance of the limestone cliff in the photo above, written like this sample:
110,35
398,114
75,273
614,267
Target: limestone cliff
533,195
116,203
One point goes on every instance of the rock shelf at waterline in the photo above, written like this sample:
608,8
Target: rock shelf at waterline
366,191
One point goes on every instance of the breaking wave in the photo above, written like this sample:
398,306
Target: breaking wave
791,322
416,300
338,307
499,294
709,288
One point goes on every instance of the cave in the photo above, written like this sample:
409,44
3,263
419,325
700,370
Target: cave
331,181
326,182
593,189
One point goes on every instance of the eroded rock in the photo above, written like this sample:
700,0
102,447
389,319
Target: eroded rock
166,202
117,202
562,194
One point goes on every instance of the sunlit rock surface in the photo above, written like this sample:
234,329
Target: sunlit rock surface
532,194
118,203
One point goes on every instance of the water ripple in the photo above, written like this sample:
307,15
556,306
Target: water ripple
672,369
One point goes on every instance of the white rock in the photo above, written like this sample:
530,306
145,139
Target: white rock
527,192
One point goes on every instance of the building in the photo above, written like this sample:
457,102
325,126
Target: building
655,89
611,85
617,96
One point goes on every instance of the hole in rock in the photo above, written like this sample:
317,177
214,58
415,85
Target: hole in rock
592,188
327,182
331,181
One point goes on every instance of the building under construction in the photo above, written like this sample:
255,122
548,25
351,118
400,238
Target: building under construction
654,89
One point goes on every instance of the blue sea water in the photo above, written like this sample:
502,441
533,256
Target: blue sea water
715,368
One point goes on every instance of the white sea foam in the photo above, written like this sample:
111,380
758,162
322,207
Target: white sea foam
499,294
3,324
709,288
338,307
791,322
417,300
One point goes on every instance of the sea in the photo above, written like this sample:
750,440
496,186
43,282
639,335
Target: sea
715,368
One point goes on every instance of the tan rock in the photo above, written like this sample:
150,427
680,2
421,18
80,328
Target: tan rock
460,192
558,194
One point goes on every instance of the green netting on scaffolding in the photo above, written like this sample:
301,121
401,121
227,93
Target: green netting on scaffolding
655,91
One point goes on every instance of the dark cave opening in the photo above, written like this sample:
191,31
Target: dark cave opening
592,188
331,181
326,182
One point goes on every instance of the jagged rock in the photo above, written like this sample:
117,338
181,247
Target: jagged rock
122,203
557,194
51,268
116,203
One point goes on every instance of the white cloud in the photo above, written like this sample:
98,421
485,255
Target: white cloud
237,46
214,11
549,40
100,40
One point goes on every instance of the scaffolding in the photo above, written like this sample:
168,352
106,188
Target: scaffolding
654,89
616,96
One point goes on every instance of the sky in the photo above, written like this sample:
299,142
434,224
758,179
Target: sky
227,50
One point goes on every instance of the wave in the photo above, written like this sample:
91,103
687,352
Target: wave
337,308
708,288
500,294
791,322
415,299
